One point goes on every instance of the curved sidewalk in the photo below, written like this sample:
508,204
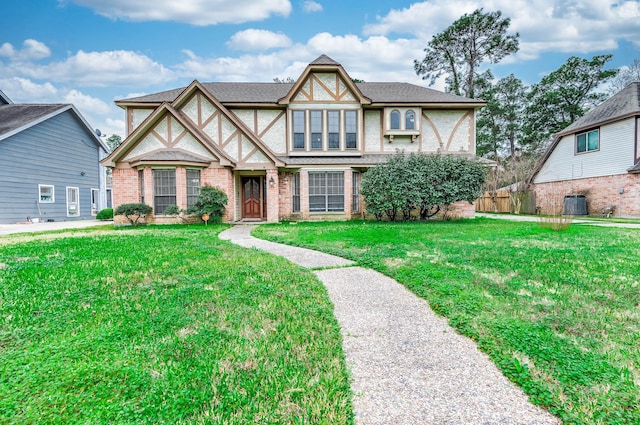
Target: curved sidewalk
407,365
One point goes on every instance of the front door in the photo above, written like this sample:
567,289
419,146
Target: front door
251,197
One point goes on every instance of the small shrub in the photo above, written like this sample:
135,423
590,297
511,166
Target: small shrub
172,210
133,212
212,201
105,214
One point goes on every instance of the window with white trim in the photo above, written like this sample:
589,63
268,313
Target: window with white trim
588,141
326,192
351,129
316,130
73,201
95,200
333,124
46,194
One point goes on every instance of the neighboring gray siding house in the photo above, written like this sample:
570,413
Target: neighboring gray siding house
49,164
597,156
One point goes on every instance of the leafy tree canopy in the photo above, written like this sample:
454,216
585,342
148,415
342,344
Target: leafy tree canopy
459,50
563,96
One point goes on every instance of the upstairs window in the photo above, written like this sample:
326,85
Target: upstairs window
316,129
410,120
333,122
588,141
298,129
395,120
350,126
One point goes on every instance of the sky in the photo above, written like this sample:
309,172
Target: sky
93,52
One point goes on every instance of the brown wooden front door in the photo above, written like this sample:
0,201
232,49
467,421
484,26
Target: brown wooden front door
252,197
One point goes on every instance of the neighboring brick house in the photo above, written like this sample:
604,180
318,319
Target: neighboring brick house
281,150
597,156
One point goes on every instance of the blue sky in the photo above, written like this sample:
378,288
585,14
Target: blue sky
92,52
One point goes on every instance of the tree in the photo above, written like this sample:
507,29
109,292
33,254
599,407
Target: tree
626,76
211,201
133,212
460,49
500,123
424,183
284,80
113,142
562,97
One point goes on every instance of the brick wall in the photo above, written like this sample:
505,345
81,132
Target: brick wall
599,192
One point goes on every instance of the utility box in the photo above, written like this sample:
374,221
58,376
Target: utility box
575,205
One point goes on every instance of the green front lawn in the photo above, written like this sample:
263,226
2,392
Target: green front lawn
164,325
558,312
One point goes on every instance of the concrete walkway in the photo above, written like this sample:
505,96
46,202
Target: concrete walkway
8,229
408,366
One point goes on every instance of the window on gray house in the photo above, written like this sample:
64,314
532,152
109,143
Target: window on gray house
164,190
326,192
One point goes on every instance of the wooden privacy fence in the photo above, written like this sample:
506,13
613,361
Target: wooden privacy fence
503,201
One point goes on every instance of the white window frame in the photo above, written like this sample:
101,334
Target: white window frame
95,201
53,194
77,192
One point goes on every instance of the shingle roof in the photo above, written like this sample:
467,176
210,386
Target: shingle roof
324,60
270,93
13,117
622,104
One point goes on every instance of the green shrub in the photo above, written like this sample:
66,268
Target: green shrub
172,210
423,183
212,201
105,214
133,212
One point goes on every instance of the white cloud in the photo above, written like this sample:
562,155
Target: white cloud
97,112
310,6
101,69
544,26
257,40
194,12
360,57
31,50
86,103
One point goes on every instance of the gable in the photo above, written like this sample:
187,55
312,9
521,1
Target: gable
223,128
324,87
166,138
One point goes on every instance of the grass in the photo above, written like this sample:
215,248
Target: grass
558,312
164,325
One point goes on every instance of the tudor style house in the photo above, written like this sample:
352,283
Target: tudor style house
281,150
597,157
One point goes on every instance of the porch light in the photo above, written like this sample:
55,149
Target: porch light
272,182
